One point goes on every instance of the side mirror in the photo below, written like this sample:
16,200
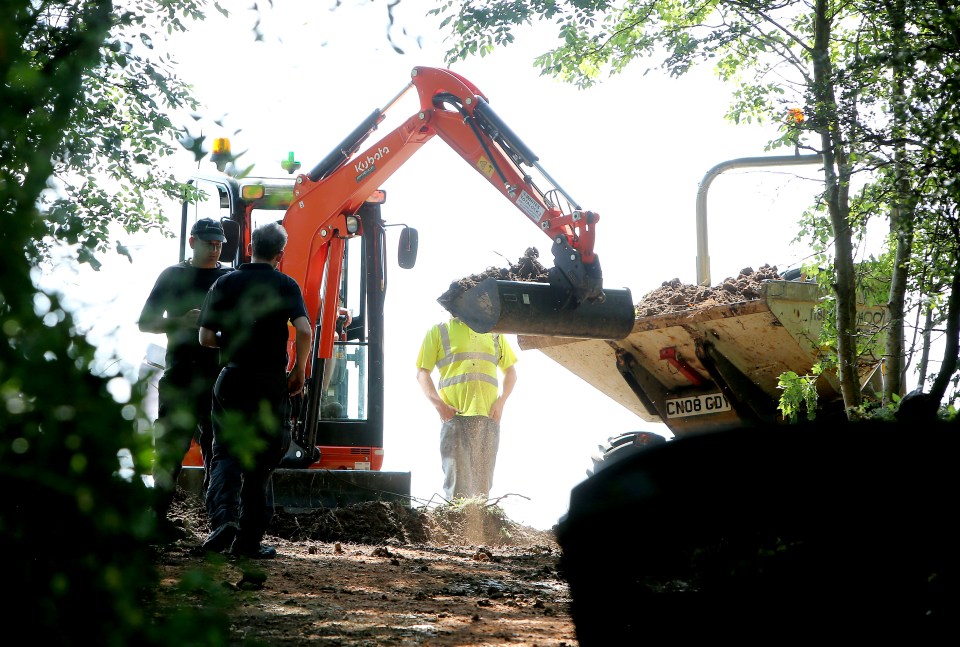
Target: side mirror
407,254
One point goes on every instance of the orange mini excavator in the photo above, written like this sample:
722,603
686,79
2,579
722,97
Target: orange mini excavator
336,254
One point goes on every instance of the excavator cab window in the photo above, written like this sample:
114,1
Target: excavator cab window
213,202
344,385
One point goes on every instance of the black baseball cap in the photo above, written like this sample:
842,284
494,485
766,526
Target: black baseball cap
208,229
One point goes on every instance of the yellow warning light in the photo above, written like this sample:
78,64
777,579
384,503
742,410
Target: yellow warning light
220,154
221,146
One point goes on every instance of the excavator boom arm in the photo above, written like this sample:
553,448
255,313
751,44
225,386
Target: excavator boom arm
455,110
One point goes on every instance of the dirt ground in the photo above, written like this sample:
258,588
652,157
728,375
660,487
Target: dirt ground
379,574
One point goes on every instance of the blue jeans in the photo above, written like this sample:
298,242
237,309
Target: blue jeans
247,448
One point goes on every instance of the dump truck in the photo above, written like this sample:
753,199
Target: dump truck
718,366
336,252
742,521
712,358
743,525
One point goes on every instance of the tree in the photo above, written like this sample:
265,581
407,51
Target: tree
849,68
926,125
75,523
109,167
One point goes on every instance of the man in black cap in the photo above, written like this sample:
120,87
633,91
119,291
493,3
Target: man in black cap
190,370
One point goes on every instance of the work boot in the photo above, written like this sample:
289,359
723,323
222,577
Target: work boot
263,551
222,538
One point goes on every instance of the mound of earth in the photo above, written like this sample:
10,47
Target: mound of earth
527,268
377,522
671,296
674,296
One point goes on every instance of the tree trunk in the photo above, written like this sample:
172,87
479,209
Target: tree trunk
924,361
901,216
952,342
836,169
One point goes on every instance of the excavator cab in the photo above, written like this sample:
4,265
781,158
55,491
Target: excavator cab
336,454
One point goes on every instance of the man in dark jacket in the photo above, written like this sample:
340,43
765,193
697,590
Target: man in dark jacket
190,370
246,314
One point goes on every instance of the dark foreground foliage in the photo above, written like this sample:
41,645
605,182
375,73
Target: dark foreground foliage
75,529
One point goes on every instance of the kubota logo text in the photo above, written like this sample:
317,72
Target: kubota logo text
364,165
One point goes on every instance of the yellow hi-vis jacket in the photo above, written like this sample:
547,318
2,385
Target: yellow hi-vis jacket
467,362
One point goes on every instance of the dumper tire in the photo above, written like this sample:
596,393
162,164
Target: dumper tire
619,447
765,530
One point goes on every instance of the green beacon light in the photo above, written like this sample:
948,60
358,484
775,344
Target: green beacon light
290,164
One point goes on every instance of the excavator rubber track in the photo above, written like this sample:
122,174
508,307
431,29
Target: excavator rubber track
303,490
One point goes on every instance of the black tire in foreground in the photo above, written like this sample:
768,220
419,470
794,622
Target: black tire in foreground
773,535
619,447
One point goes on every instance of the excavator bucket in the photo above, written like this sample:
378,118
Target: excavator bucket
531,308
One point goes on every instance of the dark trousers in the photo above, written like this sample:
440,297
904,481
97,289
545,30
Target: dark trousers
184,396
249,441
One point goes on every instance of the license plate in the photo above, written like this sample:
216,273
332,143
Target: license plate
697,405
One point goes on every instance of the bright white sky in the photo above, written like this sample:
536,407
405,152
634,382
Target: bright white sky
633,150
